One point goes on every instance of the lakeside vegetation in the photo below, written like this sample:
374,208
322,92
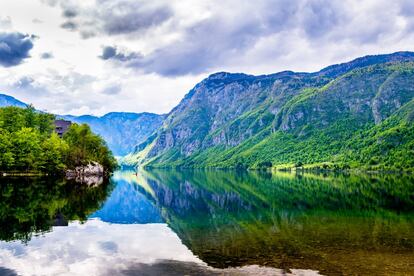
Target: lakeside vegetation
28,144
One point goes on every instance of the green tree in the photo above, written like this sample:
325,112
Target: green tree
27,149
6,156
87,147
54,150
28,143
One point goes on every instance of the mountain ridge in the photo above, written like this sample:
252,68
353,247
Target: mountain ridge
6,100
225,110
121,130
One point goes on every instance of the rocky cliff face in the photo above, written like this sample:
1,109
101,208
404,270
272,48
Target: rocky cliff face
225,110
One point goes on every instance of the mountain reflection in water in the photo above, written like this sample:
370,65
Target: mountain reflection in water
169,222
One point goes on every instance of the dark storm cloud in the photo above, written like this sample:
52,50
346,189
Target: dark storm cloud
24,82
221,38
87,34
212,40
407,11
112,89
225,38
320,17
7,272
115,17
110,52
46,55
216,39
14,48
70,13
29,87
407,8
231,31
69,25
128,17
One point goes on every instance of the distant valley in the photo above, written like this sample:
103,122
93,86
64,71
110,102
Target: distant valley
122,131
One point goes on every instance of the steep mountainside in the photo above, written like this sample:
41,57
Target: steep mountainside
352,114
122,131
6,100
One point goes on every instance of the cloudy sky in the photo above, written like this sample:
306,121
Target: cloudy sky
97,56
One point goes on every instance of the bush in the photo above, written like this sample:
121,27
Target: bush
299,164
264,165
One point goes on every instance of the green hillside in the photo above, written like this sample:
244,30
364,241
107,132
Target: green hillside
358,117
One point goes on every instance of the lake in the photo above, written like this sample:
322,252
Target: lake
197,222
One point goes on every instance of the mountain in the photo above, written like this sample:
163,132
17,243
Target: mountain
122,131
6,100
355,114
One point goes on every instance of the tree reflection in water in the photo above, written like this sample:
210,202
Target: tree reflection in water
33,205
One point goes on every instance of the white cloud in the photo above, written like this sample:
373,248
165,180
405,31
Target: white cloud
99,248
168,46
94,248
5,23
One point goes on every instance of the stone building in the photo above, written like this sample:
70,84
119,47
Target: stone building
61,126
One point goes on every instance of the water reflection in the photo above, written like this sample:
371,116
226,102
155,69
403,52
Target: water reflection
94,248
336,224
130,201
33,205
210,223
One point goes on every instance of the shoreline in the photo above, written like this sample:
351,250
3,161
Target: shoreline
279,168
22,174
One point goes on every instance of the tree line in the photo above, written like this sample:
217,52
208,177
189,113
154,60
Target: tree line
28,143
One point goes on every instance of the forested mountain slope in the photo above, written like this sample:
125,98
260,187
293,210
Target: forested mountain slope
122,131
356,114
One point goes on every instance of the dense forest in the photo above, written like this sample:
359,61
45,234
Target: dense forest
28,143
356,115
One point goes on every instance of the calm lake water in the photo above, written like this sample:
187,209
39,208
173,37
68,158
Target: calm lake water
164,222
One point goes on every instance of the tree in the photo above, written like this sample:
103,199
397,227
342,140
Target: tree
54,149
87,147
28,143
298,164
6,156
26,148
